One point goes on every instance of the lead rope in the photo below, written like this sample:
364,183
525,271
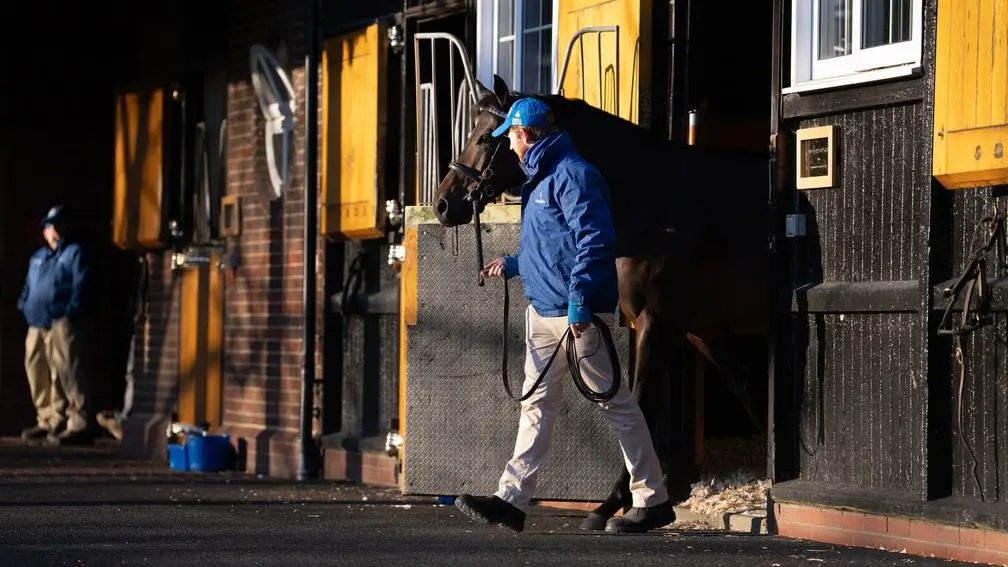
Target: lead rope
573,360
479,242
974,278
959,404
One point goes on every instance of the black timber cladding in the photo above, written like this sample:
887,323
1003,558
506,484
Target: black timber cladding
860,345
984,382
370,341
880,403
952,220
878,392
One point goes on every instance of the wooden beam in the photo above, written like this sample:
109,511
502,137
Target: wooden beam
858,297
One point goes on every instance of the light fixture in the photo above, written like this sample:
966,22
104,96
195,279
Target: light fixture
395,39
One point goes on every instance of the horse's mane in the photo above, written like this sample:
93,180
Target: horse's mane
648,176
571,111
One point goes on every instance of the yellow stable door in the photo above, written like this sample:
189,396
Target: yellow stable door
200,342
971,94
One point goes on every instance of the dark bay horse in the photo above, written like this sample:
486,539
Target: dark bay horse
692,233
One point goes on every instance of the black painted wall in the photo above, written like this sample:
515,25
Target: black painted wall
864,399
878,404
984,423
56,146
861,366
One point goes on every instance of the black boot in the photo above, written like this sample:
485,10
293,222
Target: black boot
491,510
643,519
71,438
34,434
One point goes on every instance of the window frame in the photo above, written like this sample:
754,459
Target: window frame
862,65
488,40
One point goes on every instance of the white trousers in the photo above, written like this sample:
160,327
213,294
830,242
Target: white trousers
538,413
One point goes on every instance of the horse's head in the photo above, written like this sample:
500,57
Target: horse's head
486,167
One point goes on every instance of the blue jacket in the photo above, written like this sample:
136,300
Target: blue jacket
54,287
566,252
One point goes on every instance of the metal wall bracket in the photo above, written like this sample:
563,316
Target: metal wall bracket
794,226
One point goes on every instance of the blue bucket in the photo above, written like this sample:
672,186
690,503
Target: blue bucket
209,452
177,460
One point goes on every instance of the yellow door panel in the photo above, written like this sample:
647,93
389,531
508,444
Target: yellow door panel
977,157
354,111
981,111
138,181
407,314
971,94
200,343
592,78
999,64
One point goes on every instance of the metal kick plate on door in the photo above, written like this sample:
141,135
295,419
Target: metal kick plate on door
460,424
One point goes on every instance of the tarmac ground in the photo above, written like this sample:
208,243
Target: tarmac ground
86,506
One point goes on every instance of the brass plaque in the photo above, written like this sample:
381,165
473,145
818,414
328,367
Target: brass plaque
816,162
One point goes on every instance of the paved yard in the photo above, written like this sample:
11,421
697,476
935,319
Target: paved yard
84,506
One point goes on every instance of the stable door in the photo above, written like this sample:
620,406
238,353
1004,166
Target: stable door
200,340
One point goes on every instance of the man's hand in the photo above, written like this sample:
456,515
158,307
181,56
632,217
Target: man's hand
494,269
577,328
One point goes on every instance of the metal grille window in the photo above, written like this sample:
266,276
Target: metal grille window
523,44
837,42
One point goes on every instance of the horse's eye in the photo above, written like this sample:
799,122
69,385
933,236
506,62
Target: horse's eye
485,139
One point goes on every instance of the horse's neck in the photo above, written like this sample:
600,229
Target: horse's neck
634,163
648,179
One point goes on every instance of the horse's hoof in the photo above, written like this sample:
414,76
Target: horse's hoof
593,522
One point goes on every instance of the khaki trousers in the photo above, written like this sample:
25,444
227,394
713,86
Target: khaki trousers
538,413
52,363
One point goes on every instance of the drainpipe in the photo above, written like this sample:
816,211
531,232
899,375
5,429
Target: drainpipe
309,453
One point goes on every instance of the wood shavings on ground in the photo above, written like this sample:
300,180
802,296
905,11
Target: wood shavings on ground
738,491
689,525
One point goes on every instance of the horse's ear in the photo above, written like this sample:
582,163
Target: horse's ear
482,90
502,91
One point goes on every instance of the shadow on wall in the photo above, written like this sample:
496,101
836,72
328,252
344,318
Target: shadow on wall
808,272
263,359
152,355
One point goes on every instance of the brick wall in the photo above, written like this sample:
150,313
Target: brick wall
155,394
263,306
262,350
914,536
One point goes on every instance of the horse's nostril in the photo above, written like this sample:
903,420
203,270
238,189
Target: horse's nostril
441,206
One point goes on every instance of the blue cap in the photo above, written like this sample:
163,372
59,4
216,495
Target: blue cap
52,216
524,112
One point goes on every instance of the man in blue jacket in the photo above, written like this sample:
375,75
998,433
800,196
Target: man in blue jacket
52,302
566,259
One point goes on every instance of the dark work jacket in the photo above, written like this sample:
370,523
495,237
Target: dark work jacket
54,287
566,253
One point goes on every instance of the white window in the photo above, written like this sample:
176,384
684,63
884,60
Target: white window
516,41
840,42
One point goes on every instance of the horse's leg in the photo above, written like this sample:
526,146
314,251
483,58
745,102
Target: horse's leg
735,383
618,499
631,273
651,393
659,376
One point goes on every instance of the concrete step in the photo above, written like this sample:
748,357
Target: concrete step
745,521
